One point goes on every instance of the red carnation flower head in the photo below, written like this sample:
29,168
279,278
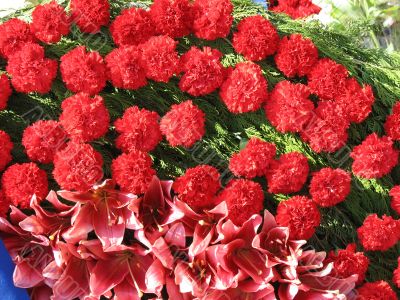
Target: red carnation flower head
256,38
4,205
327,79
77,167
50,22
392,125
300,215
132,27
289,108
183,125
395,198
245,88
296,9
376,290
43,139
243,198
396,273
327,129
287,174
139,130
14,34
348,262
5,149
374,157
133,172
172,18
159,58
379,234
329,187
21,181
83,71
90,15
253,160
198,187
203,71
30,71
5,91
212,18
296,55
84,118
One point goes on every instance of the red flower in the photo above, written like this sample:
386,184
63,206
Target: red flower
287,174
301,215
244,198
84,118
139,130
256,38
379,234
132,27
5,149
159,58
375,157
396,274
133,171
212,18
30,71
289,108
21,181
14,34
43,139
203,71
5,91
77,167
90,15
329,187
392,125
50,22
327,79
376,290
4,204
253,160
245,88
296,55
296,9
83,71
198,187
173,18
395,201
183,125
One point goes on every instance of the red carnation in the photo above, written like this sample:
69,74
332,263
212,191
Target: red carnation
139,130
183,125
327,79
30,71
50,22
84,118
395,200
133,172
296,9
132,27
375,157
173,18
378,290
300,215
14,34
4,205
5,150
212,18
256,38
159,58
203,71
245,88
329,187
244,198
5,91
83,71
296,55
198,186
43,139
90,15
289,108
379,234
77,167
348,262
396,273
288,174
253,160
392,125
21,181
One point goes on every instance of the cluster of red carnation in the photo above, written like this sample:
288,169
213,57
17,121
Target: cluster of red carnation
376,290
5,91
297,9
